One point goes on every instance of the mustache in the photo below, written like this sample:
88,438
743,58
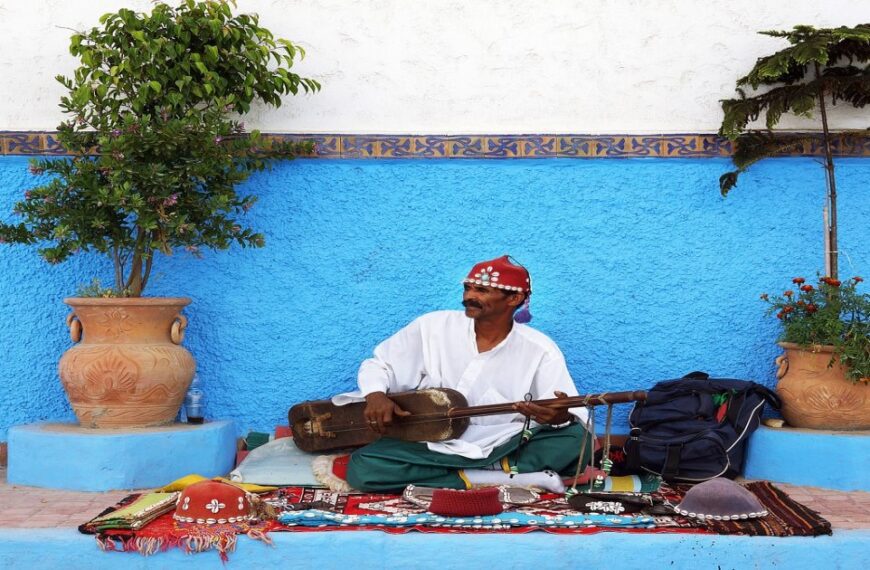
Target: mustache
469,303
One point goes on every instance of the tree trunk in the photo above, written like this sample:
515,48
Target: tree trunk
135,281
832,253
119,270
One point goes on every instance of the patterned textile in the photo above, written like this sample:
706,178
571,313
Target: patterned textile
786,517
329,509
137,513
304,509
494,522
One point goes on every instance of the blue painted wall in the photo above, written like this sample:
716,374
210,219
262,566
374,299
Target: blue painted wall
641,272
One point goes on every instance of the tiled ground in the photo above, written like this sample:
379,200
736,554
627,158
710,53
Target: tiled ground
31,507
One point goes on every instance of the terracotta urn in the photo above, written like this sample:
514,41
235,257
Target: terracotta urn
818,396
128,368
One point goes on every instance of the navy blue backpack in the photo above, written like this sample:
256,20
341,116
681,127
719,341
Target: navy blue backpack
695,428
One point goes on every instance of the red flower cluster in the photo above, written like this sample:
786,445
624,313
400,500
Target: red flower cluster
832,312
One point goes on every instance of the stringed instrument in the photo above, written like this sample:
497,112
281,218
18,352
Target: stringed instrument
436,414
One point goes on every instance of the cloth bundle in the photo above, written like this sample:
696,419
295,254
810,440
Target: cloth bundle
137,514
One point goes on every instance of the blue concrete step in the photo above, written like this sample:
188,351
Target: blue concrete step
829,459
66,456
362,550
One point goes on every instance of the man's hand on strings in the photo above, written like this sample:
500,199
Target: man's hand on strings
544,414
381,411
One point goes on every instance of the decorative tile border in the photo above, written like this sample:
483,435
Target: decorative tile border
485,146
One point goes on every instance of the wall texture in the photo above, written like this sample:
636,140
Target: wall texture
642,272
460,66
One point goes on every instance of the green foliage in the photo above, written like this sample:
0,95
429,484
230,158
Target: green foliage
831,313
819,65
159,148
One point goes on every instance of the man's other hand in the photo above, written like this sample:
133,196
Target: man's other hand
543,414
381,410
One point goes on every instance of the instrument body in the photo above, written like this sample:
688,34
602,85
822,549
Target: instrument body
320,425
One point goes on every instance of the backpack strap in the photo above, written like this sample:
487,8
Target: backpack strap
632,456
672,462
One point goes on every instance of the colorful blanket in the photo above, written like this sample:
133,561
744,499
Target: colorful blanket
305,509
321,508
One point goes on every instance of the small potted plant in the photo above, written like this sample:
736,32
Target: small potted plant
824,372
156,152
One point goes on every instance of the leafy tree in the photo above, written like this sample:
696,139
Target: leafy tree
156,152
820,66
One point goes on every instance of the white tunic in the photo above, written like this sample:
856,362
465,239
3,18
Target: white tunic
439,350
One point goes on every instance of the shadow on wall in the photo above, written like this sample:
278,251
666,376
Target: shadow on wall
641,272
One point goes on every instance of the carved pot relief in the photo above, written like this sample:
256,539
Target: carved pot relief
817,396
128,368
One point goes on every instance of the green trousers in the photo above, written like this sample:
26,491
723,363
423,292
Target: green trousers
390,464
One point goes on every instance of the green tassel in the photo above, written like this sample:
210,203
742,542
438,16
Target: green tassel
571,492
606,465
514,470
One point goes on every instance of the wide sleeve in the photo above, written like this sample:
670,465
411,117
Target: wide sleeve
552,375
396,366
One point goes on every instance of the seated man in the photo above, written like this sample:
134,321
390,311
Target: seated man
488,358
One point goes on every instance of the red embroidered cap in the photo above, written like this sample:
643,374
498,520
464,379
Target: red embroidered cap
475,502
213,502
501,273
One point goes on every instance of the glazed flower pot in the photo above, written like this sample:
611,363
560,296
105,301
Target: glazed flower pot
128,368
817,396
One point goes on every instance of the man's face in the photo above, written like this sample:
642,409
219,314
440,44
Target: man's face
482,302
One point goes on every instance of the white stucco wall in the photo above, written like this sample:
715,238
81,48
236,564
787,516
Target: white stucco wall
466,66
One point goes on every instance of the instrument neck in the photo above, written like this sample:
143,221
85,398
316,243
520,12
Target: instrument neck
554,403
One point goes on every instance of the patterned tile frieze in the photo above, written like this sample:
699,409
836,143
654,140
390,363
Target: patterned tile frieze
697,145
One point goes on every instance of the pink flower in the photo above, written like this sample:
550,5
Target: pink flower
171,200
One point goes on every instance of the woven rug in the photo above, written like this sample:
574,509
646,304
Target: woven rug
786,517
321,509
305,509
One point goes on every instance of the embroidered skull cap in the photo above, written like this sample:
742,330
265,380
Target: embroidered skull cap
720,499
213,502
501,273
